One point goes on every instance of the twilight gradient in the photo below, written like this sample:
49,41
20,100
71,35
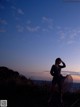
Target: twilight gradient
33,33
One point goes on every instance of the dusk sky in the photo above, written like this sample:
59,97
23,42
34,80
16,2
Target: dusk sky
33,33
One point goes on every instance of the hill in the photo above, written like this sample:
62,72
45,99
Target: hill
22,92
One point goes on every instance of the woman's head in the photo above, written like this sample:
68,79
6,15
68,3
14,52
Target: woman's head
58,61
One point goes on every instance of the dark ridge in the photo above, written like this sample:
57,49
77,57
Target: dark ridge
20,91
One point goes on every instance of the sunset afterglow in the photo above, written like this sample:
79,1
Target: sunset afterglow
33,33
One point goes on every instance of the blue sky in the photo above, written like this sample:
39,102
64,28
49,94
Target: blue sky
33,33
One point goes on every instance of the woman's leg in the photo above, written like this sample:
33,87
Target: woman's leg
52,90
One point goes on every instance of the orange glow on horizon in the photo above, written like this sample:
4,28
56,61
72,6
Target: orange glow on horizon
76,78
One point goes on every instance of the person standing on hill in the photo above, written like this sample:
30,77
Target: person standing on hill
56,73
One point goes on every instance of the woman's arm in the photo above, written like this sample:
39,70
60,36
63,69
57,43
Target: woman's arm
63,66
51,71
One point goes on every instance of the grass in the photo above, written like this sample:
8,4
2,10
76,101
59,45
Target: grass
36,96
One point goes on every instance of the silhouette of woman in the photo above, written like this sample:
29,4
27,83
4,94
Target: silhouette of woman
56,73
57,79
63,82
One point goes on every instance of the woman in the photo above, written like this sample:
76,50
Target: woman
56,73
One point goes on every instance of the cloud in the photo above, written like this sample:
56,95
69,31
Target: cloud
2,30
20,28
46,71
13,7
20,11
67,72
68,35
73,33
33,29
62,35
2,21
17,18
28,22
45,30
71,73
48,21
58,27
39,75
70,42
73,36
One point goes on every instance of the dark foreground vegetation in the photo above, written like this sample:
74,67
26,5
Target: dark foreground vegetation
22,92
